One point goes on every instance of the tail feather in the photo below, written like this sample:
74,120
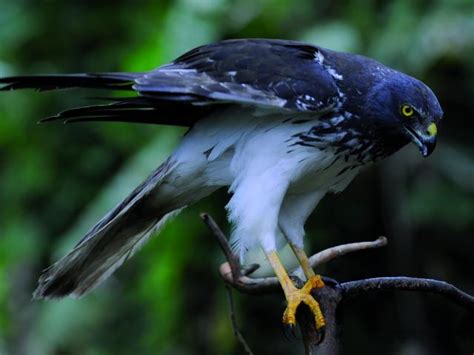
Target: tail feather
166,108
115,81
90,263
136,110
109,243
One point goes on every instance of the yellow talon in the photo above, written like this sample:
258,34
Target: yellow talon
296,296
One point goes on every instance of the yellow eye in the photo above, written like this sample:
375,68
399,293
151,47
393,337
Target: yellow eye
407,110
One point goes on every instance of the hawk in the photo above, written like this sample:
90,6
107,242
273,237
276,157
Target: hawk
280,123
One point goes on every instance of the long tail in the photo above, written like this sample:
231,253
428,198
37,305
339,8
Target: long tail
114,81
159,108
110,242
121,232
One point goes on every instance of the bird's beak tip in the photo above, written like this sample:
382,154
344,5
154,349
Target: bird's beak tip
425,153
428,147
426,143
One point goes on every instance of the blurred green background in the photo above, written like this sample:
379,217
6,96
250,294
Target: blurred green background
57,180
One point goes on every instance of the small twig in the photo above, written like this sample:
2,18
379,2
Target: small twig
235,327
224,244
327,255
249,269
249,285
361,287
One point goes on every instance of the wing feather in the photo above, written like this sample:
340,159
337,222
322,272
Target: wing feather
282,74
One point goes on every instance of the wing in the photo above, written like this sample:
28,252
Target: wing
279,74
275,73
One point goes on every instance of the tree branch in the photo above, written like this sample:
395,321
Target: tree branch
233,274
235,327
327,255
331,296
232,259
452,293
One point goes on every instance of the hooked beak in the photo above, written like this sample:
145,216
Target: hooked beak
424,139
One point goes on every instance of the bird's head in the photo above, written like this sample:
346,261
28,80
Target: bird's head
409,108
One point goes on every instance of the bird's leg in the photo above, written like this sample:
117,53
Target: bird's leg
295,296
304,262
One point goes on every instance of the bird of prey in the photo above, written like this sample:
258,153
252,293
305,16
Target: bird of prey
280,123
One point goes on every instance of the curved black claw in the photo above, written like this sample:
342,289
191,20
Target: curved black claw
321,334
330,282
289,330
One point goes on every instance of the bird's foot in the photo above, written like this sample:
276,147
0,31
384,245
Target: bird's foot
296,296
